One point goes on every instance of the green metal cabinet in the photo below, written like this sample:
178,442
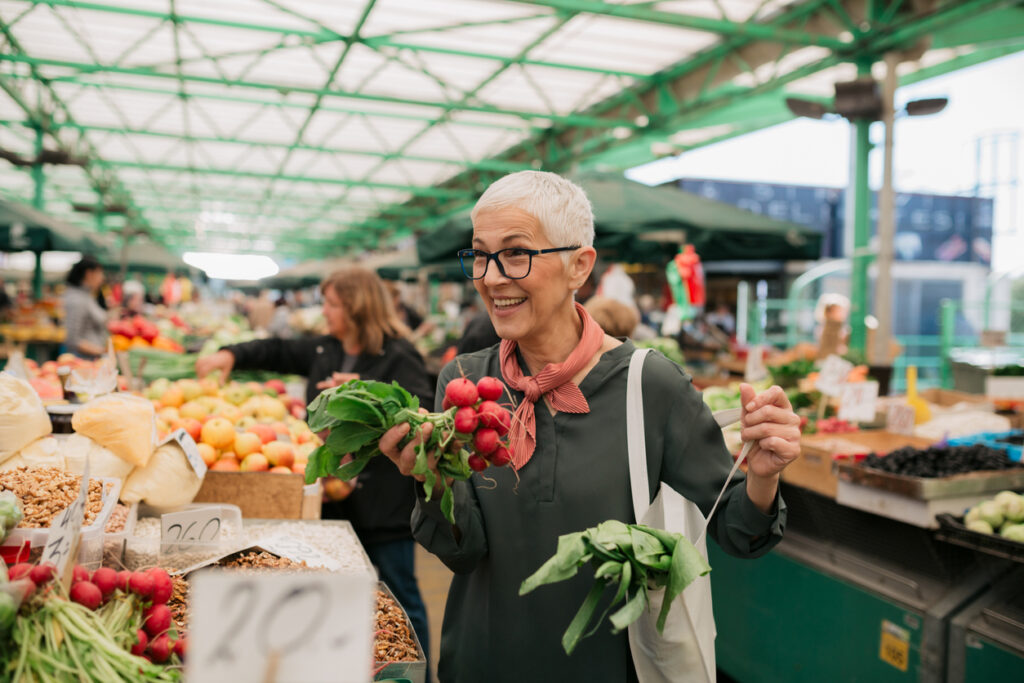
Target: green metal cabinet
986,641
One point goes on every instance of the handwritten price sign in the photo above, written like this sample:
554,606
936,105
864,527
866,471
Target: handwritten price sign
181,532
857,401
899,419
832,375
281,627
755,371
62,542
293,549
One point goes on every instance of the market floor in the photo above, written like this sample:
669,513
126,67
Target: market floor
434,579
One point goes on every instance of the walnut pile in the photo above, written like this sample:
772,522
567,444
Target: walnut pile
262,560
393,641
44,492
179,604
118,518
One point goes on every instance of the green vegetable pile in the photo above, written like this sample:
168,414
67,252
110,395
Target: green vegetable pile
1003,514
10,513
636,557
667,345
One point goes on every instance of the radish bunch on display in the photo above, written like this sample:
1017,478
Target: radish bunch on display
113,626
469,435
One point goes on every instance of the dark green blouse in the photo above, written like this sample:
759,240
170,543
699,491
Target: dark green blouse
577,478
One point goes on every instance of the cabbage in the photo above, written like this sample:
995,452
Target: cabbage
990,512
973,515
1013,532
981,526
1011,505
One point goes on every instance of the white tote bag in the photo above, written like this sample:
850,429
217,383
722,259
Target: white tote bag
685,651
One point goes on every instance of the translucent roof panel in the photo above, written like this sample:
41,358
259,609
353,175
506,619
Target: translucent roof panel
279,124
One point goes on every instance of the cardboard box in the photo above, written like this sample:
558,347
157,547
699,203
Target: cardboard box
949,397
263,495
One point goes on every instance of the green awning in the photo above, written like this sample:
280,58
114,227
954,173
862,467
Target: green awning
638,223
143,255
22,228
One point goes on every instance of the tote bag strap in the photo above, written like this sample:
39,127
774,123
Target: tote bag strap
635,439
637,445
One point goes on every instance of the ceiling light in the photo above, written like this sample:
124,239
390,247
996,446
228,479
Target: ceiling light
925,107
219,266
621,132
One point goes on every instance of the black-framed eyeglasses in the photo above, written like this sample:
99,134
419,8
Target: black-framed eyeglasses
514,263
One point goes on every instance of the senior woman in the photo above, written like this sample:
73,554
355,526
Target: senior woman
532,237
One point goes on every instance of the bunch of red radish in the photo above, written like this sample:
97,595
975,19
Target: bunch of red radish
151,588
480,420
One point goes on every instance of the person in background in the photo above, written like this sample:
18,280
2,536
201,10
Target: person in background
280,326
722,318
365,340
615,318
6,303
419,326
85,322
133,296
261,312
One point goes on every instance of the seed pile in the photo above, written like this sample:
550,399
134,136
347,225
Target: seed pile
179,604
940,461
44,492
263,560
393,641
118,518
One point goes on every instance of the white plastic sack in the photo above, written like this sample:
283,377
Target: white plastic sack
23,418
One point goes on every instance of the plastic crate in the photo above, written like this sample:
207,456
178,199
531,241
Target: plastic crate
114,543
952,530
994,440
90,545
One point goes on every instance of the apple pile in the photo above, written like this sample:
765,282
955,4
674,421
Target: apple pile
44,378
249,427
138,332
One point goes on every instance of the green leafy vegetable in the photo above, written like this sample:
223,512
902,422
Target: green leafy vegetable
635,557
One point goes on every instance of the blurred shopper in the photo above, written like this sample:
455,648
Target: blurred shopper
722,318
365,340
261,312
85,321
419,326
280,325
133,298
615,318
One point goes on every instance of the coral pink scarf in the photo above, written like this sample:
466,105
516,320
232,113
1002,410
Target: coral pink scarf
554,381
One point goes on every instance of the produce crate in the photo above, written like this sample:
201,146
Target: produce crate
414,672
816,468
90,544
918,500
952,530
263,495
1005,441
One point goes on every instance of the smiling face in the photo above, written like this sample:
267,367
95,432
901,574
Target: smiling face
539,307
334,314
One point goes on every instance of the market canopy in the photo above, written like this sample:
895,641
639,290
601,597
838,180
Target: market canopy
142,254
635,222
22,228
312,128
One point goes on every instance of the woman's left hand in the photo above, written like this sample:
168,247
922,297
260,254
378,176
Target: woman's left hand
336,380
770,423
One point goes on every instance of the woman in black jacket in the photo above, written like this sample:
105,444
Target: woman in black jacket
365,340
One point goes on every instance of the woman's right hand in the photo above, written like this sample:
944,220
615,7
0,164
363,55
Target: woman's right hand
405,457
223,361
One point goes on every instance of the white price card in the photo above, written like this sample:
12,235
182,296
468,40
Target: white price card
302,627
181,532
188,445
899,419
832,375
755,371
857,401
297,551
61,548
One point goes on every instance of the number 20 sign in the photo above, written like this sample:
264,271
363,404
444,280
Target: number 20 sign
308,627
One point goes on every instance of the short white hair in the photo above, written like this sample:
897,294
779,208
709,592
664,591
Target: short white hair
560,205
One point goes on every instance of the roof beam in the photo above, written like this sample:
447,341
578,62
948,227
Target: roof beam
720,26
500,166
85,68
346,182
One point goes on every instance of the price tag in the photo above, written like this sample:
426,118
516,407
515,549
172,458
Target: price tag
297,551
755,371
62,542
899,419
180,532
188,445
895,646
832,375
857,401
280,626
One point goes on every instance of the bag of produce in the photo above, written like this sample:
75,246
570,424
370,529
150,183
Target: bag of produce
167,481
43,452
22,416
102,461
123,423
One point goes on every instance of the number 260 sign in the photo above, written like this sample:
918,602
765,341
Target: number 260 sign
308,627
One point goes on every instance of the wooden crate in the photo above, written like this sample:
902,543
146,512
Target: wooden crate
262,495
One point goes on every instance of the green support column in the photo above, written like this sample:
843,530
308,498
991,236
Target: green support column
861,230
38,201
946,340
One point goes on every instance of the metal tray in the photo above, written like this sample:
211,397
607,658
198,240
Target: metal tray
922,488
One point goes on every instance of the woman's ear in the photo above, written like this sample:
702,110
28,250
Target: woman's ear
580,266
